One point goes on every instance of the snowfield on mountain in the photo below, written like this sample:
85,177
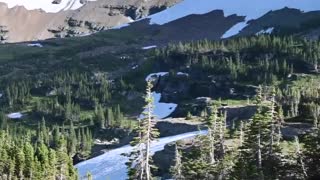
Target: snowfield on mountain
111,165
251,9
45,5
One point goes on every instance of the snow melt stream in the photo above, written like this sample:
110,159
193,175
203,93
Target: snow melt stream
111,165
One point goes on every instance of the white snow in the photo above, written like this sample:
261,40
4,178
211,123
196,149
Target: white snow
124,25
182,74
35,45
161,110
251,9
149,47
155,75
1,95
265,31
234,30
120,26
135,67
45,5
16,115
111,165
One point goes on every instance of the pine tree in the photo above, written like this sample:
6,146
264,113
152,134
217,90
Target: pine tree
110,117
118,116
211,122
44,132
311,154
176,170
29,160
89,176
100,117
52,171
71,140
300,158
140,159
254,148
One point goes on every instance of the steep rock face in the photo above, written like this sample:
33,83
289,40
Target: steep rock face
29,25
286,20
22,24
188,20
3,34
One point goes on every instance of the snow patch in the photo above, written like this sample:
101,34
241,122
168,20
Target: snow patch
120,26
1,95
149,47
182,74
111,165
16,115
35,45
234,30
265,31
251,9
45,5
161,110
155,75
124,25
135,67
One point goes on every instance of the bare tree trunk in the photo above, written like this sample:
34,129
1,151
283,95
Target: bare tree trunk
61,175
141,158
272,112
149,132
212,142
261,176
148,173
241,133
271,138
279,133
177,172
221,138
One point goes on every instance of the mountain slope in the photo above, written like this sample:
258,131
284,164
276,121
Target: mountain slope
68,18
251,10
27,21
51,6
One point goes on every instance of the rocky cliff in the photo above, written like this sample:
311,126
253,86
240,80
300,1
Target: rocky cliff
23,24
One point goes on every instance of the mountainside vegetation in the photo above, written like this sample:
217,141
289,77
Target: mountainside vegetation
70,97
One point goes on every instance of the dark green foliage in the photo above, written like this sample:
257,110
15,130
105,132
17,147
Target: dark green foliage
140,159
311,153
23,159
257,59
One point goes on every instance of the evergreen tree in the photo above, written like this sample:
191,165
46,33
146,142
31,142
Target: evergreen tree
176,170
110,117
311,154
140,160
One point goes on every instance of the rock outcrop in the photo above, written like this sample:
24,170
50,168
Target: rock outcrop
175,126
165,159
3,34
93,16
